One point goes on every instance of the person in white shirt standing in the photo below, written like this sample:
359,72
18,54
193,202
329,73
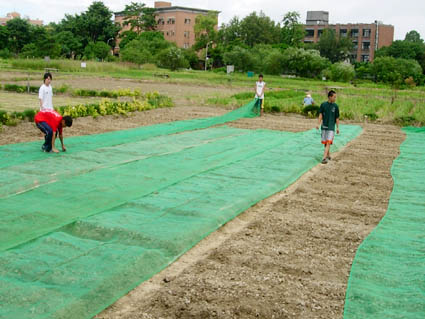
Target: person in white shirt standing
45,94
260,86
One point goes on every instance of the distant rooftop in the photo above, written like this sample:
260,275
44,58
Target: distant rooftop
162,6
13,15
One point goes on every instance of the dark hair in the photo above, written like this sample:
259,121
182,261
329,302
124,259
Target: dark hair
68,120
331,93
47,75
260,76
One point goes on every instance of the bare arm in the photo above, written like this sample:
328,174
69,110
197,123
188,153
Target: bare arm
61,139
41,104
255,90
320,120
337,126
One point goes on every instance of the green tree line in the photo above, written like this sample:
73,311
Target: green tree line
254,43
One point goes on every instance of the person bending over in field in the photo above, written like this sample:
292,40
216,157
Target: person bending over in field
45,94
51,123
328,117
260,86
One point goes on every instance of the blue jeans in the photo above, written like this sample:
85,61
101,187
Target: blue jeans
48,133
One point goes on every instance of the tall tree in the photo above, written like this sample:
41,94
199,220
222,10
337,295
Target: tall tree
4,37
139,17
97,24
406,50
230,33
293,32
256,29
19,34
413,36
334,48
205,29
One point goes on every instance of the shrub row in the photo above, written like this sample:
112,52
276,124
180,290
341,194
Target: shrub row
107,93
12,118
33,89
76,92
148,101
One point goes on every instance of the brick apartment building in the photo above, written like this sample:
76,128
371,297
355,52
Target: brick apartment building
13,15
367,38
176,23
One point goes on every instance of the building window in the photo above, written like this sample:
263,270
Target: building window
186,21
355,45
365,58
365,46
355,33
366,33
319,32
186,45
171,21
161,21
186,34
354,57
309,33
343,32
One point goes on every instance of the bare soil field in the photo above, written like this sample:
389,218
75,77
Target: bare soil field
290,255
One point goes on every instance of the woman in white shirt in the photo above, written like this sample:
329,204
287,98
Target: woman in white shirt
45,94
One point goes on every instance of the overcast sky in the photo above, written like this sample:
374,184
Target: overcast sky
404,15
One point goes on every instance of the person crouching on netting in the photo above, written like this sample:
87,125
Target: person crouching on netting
51,123
328,117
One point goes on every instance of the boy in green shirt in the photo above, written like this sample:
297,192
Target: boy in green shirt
328,117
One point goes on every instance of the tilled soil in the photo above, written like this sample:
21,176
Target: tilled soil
290,255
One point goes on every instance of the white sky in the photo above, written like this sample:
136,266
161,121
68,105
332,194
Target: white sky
404,15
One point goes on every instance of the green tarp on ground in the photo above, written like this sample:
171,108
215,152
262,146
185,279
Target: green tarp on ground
387,279
80,229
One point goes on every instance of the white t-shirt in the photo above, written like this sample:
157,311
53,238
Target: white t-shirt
45,94
260,86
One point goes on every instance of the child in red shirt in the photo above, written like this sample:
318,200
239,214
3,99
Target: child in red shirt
50,123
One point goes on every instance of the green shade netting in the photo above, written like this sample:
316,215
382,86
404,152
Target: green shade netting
80,229
387,279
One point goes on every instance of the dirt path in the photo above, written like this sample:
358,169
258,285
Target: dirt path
287,257
290,255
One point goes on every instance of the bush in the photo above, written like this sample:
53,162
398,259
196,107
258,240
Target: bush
404,120
5,53
341,71
241,58
274,63
29,114
136,52
172,58
99,50
305,63
311,110
395,71
220,70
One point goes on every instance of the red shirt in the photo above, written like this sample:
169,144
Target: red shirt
52,118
